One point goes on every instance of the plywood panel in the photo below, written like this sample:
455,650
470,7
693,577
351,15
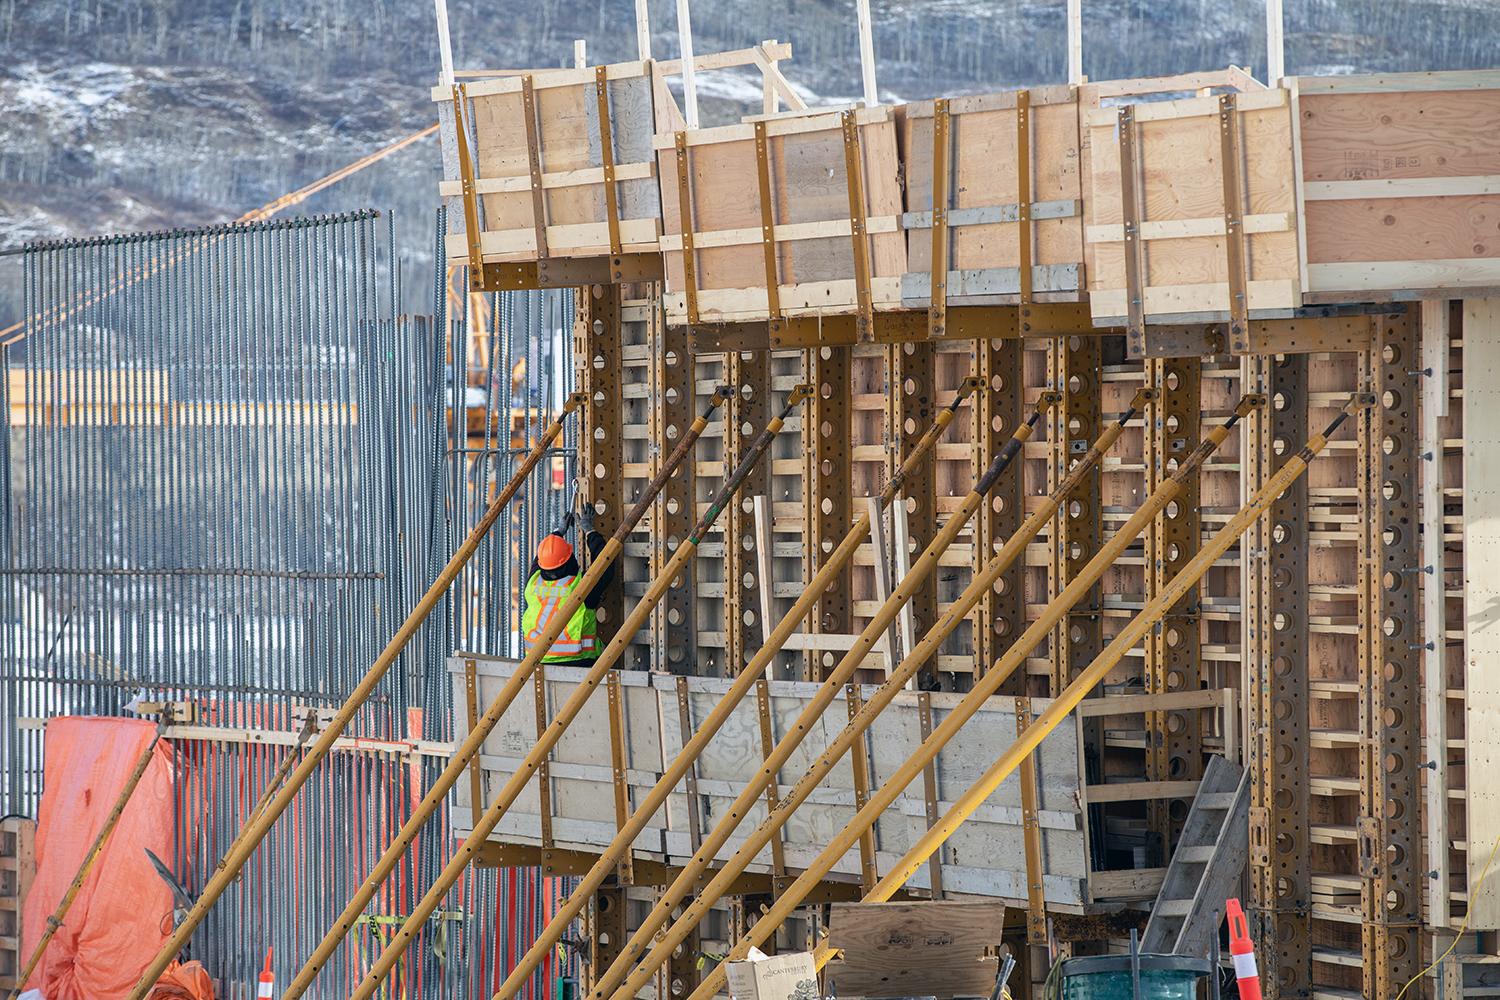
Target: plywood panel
1400,180
1179,179
809,212
985,857
984,184
1482,597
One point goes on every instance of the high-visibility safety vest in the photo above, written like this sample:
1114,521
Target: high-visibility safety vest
543,599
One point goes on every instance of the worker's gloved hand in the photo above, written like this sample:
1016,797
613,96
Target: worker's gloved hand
586,519
567,522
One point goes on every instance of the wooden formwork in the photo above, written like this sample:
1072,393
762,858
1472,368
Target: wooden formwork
560,162
1192,210
1008,167
1397,184
788,216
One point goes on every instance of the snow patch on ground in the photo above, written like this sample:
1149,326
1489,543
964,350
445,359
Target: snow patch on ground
69,95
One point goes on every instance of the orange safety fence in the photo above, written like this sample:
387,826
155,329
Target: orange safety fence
114,927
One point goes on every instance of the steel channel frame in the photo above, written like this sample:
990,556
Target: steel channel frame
597,339
750,376
1174,740
826,488
911,405
1390,647
1002,611
1275,567
1053,715
674,624
1075,367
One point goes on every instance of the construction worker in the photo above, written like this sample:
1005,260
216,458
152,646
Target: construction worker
553,576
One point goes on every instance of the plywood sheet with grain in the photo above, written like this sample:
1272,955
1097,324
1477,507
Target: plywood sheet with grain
985,857
1481,539
984,255
934,949
1400,182
569,142
810,216
1180,184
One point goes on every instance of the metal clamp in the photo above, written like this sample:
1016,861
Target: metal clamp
864,321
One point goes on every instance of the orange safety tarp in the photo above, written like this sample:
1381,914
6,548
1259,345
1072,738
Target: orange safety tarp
117,923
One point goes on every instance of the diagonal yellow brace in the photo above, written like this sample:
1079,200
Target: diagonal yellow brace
632,624
265,817
743,683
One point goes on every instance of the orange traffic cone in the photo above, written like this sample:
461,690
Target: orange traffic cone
266,986
1242,951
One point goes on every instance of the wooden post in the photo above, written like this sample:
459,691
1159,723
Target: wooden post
867,52
1075,42
445,43
1275,45
642,30
685,44
580,53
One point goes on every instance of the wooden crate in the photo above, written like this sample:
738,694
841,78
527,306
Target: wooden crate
802,194
1203,236
1398,184
983,182
536,150
17,866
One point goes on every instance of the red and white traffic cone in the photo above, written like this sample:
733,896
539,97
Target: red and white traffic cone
1242,951
265,987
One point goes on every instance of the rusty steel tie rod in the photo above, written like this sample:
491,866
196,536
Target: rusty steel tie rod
265,817
917,577
517,782
1051,717
512,688
743,682
1013,549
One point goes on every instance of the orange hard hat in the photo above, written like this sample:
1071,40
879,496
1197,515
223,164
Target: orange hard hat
553,552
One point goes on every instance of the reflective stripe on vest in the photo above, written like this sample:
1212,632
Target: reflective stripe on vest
578,639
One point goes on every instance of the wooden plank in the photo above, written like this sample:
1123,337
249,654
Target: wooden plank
986,225
939,949
1179,184
1481,520
1435,351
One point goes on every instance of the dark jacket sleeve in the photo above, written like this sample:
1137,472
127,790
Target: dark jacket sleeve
595,542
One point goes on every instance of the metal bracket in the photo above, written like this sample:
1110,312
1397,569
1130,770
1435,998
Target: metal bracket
768,229
929,794
1023,192
607,158
617,762
477,797
1130,217
859,761
468,180
1234,230
864,321
534,160
544,768
779,878
685,723
1036,900
685,214
937,309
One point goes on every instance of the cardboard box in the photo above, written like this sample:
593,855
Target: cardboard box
782,977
